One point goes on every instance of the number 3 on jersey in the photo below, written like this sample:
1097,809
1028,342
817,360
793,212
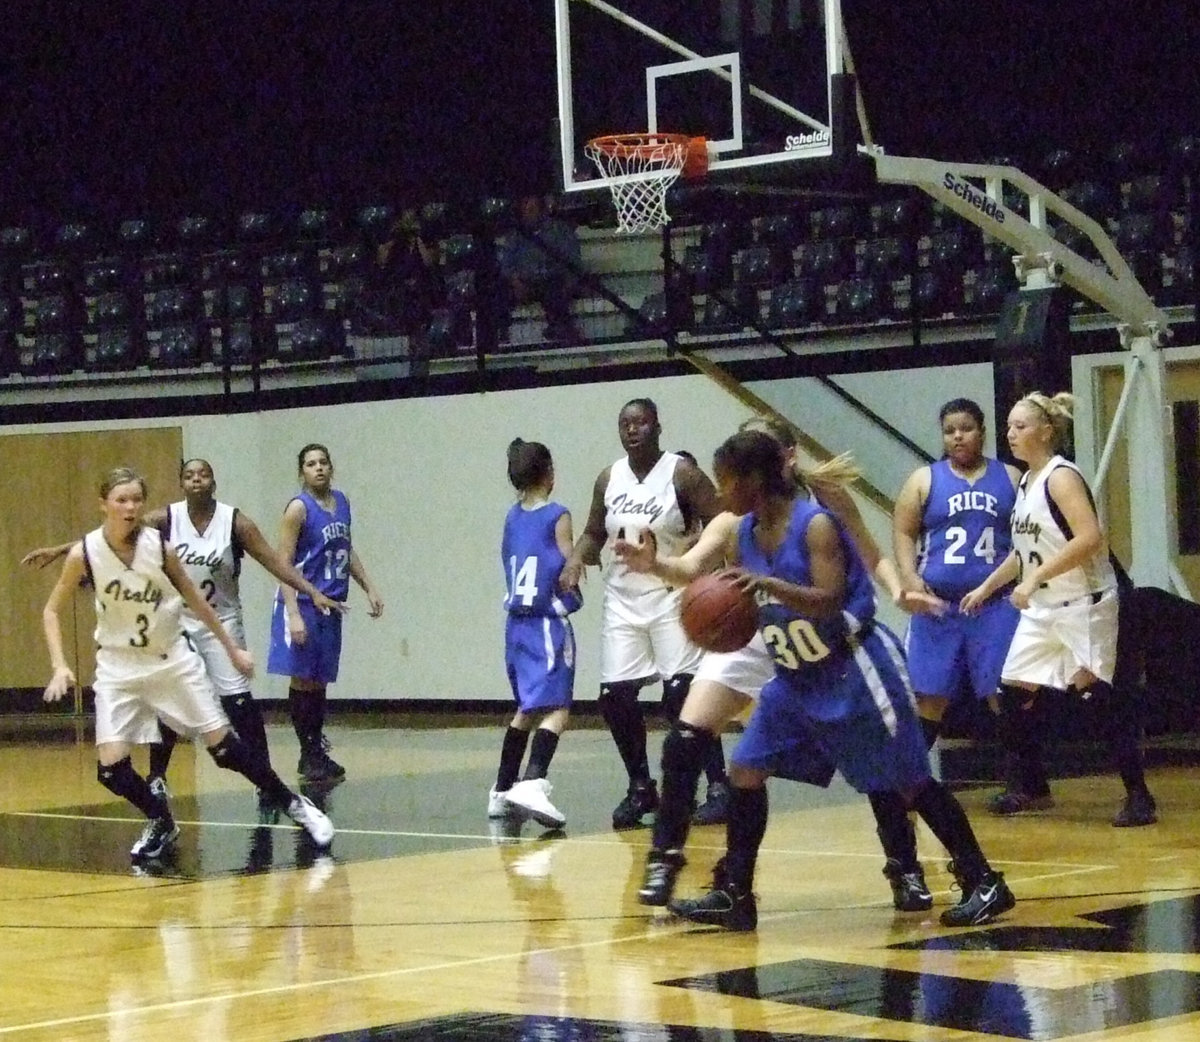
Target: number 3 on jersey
956,539
522,583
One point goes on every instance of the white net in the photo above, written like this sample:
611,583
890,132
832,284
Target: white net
643,167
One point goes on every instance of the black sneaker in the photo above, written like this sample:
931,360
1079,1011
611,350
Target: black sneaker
316,765
725,905
715,808
658,884
640,800
909,892
1013,801
156,837
1138,809
989,898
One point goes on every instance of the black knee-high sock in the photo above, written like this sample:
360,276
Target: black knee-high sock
626,723
122,780
714,767
512,752
541,752
685,751
246,718
160,751
948,821
1123,732
308,716
1019,730
231,753
675,692
896,833
744,835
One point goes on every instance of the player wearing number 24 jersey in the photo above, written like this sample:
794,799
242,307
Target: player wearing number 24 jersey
951,528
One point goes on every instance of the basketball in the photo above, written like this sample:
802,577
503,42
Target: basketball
716,615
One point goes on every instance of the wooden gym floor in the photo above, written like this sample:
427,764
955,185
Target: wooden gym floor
428,922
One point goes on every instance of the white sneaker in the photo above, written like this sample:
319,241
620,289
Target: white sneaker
497,805
312,819
532,799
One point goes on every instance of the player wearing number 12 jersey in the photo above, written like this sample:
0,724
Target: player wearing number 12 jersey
306,645
951,528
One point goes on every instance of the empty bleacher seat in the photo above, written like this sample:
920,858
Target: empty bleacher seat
861,299
793,304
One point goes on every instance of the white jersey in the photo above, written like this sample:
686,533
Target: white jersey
632,505
212,559
1039,531
137,607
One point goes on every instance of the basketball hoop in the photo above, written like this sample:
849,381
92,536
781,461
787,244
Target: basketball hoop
640,168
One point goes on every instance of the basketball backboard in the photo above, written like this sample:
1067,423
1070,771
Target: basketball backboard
757,78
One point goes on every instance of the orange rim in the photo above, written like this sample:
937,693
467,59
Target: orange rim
628,146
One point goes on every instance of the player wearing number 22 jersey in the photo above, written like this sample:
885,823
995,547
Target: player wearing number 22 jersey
965,535
323,557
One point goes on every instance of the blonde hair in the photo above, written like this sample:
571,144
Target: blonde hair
838,472
1059,410
121,476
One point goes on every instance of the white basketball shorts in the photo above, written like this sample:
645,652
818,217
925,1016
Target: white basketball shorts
1051,644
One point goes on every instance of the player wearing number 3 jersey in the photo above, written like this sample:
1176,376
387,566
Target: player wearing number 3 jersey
951,528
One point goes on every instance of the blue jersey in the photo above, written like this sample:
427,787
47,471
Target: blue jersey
840,682
803,647
532,563
323,548
965,528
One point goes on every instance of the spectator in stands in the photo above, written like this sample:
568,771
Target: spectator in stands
405,281
536,264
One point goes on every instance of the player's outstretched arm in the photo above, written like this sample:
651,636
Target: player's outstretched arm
256,545
715,545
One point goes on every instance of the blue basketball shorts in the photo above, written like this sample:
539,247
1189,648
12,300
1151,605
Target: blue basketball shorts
318,657
539,655
946,651
858,711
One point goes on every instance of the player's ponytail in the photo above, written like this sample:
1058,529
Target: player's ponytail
1059,411
529,464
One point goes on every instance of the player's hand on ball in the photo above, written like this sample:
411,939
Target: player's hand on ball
745,581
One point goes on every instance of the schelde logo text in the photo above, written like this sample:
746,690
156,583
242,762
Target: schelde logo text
983,203
795,141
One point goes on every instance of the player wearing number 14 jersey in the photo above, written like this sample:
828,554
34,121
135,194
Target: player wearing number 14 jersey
951,528
539,643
